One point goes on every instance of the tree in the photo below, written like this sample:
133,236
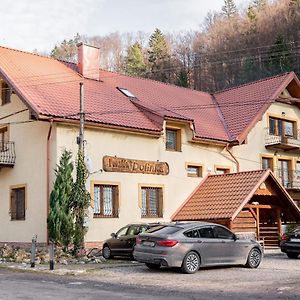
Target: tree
79,202
135,61
182,79
60,219
259,4
67,50
229,9
280,57
158,56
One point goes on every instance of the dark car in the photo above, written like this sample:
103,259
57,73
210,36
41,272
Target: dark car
290,243
190,246
122,242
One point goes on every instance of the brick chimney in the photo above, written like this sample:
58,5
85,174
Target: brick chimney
88,61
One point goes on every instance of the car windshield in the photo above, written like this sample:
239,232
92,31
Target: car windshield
163,229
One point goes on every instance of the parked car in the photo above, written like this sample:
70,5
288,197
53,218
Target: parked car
194,245
290,243
122,242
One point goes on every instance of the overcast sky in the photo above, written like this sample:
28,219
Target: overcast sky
40,24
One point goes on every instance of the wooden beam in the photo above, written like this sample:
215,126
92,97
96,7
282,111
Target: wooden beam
253,213
267,206
257,224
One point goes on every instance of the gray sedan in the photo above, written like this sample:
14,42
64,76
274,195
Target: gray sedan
191,245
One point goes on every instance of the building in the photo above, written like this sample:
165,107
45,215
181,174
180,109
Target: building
148,144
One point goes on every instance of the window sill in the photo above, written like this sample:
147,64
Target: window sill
104,217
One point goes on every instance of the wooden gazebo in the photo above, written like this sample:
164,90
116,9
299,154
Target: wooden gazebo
250,203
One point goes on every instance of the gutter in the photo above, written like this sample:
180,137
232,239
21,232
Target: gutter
234,158
48,174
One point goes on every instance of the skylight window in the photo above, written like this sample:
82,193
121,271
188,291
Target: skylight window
126,92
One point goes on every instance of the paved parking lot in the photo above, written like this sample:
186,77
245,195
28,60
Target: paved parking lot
277,277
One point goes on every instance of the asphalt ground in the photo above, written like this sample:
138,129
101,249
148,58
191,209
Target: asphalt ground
277,278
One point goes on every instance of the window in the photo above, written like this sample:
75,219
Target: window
173,140
222,233
152,202
126,92
298,169
206,232
192,234
106,200
17,203
5,93
122,231
267,163
3,138
281,127
194,171
222,170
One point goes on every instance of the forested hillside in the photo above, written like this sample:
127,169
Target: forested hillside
232,47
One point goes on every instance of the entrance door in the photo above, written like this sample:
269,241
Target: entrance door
283,172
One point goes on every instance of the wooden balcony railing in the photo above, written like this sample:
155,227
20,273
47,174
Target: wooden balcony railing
7,154
284,142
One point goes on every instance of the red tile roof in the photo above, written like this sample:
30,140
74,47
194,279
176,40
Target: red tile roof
242,105
51,88
224,196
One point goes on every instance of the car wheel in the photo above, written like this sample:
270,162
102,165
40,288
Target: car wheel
292,255
106,252
152,266
254,258
191,263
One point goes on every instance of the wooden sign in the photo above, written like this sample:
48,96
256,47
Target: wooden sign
125,165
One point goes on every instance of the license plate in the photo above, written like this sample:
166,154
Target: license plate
149,244
295,240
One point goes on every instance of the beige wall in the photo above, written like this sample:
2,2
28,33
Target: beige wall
249,154
30,170
177,185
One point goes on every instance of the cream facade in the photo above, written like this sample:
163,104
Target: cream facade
256,148
39,145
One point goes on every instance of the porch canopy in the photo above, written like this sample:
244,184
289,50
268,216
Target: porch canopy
249,203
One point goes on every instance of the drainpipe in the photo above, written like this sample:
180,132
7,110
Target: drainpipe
234,158
48,173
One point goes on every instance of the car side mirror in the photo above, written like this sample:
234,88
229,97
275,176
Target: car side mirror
113,235
235,237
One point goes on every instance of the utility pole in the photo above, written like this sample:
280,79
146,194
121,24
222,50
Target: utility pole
80,139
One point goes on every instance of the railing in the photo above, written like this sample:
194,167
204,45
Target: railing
7,154
290,179
273,139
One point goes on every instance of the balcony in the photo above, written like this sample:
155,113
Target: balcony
282,142
290,179
7,154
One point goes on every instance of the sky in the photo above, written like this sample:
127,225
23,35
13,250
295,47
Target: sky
40,24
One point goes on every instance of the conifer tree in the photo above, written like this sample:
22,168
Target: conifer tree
158,56
79,202
135,64
280,57
182,79
60,219
229,9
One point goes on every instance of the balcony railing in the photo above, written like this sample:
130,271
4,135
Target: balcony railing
290,179
284,142
7,154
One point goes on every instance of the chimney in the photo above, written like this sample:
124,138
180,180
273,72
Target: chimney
88,61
